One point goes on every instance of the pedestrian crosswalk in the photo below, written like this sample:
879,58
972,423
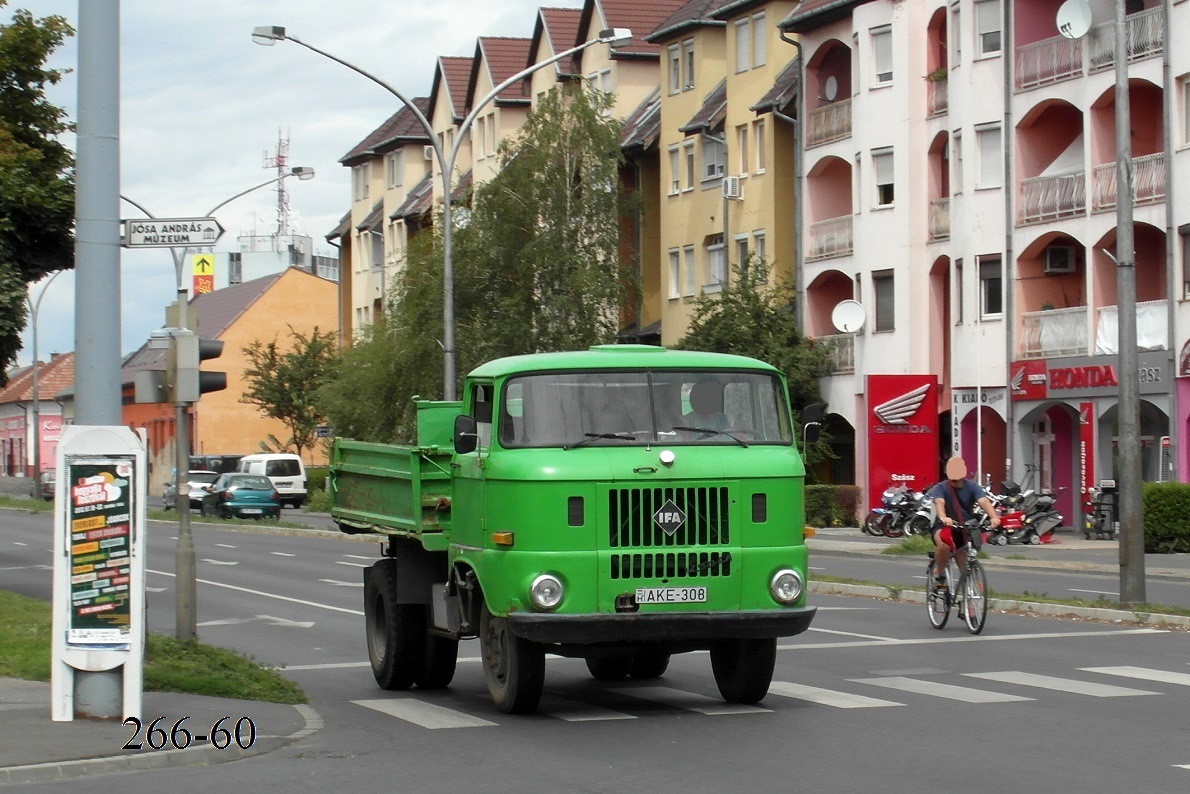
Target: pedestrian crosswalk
909,688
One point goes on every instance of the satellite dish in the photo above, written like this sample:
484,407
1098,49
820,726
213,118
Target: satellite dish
830,89
1074,19
848,316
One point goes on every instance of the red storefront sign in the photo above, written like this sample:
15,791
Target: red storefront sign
902,432
1027,380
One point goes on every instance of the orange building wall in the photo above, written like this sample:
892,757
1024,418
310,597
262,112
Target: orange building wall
224,424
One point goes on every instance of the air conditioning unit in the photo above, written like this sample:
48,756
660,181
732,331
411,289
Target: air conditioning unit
732,188
1059,259
427,153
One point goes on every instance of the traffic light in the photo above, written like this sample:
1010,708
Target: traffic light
189,351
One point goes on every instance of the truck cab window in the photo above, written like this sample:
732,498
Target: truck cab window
481,411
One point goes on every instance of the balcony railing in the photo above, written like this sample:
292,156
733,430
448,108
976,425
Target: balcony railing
842,350
1055,59
1148,182
1152,332
1054,332
828,123
937,98
831,238
939,219
1045,198
1146,31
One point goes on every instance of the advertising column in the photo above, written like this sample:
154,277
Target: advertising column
902,433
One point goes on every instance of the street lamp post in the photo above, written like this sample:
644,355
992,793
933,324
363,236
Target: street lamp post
185,584
34,307
267,35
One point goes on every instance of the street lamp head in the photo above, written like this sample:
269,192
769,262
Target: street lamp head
268,35
302,172
609,36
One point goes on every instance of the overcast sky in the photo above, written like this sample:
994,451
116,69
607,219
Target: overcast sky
201,105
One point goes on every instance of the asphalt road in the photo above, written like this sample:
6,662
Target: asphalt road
871,698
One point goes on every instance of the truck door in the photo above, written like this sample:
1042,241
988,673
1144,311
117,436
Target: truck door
470,487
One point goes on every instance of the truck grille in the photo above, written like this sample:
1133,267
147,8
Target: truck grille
670,565
631,512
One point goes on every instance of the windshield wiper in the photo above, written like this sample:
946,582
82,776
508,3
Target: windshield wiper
592,436
711,431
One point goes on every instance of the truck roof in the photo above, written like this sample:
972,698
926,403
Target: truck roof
617,357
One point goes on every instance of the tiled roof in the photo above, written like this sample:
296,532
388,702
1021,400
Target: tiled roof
693,13
372,220
452,73
559,28
52,377
217,310
810,14
503,58
643,126
783,91
712,112
399,126
407,129
639,16
417,201
729,8
341,228
461,187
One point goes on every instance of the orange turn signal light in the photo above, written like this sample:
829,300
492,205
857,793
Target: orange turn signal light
808,532
502,538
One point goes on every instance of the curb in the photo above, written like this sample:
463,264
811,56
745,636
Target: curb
1010,605
164,759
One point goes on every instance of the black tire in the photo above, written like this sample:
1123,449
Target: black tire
513,668
1000,539
919,525
975,598
937,604
744,668
395,632
649,665
202,509
1034,538
609,668
441,656
872,524
892,527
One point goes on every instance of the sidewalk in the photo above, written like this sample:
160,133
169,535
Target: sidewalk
34,748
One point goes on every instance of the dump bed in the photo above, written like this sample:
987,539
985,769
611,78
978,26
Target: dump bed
394,489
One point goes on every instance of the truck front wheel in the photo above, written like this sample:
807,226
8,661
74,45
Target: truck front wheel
744,669
396,632
513,668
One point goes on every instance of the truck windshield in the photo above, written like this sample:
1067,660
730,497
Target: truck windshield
617,409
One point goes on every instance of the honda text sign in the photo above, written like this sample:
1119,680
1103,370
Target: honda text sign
902,433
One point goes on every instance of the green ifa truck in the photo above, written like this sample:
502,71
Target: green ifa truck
619,505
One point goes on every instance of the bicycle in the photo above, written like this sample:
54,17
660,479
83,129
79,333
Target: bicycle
967,590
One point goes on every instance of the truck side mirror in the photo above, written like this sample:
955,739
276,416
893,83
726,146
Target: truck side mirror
466,435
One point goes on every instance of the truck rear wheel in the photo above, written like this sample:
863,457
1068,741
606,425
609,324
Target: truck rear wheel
609,668
513,668
649,665
396,632
442,654
744,669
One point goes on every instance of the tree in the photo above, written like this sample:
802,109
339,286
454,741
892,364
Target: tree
283,384
36,179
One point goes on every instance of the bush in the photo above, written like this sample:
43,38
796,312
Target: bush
316,478
318,501
1166,516
831,505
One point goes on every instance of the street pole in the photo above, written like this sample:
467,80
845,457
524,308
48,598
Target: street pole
1132,530
34,308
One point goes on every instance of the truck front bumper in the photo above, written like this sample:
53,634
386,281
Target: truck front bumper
628,627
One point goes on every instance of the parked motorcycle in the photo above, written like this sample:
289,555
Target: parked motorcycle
924,517
900,504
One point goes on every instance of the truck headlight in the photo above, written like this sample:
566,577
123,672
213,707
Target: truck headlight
546,592
786,586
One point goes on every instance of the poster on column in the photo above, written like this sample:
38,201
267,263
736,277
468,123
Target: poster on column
99,523
902,433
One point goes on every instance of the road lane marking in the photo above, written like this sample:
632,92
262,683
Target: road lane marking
1093,592
301,624
827,697
370,558
691,701
854,634
337,583
819,646
353,564
226,546
1060,684
578,711
219,562
18,543
1143,673
328,666
282,554
265,595
936,689
427,715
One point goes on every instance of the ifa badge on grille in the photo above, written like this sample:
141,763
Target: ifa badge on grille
669,517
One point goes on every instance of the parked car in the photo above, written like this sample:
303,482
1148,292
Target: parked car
285,470
219,463
196,480
236,495
49,484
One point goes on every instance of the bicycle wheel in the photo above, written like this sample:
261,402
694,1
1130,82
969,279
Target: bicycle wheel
975,597
937,603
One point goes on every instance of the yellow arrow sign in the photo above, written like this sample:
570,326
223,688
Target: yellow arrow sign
203,264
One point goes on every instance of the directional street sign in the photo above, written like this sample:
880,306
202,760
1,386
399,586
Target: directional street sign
170,232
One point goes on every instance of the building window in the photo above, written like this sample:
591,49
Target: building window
688,62
741,249
741,138
743,45
759,31
601,80
716,261
958,292
491,133
481,138
991,287
882,55
714,158
675,170
690,167
882,289
990,158
675,68
987,27
361,175
956,162
758,126
235,268
882,169
675,273
691,270
396,168
1185,85
759,246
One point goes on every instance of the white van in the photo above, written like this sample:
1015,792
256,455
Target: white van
286,471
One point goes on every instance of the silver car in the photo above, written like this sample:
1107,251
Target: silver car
196,482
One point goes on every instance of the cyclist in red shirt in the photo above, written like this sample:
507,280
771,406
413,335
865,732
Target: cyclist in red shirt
955,499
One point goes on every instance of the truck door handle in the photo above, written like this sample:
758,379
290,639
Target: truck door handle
645,470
